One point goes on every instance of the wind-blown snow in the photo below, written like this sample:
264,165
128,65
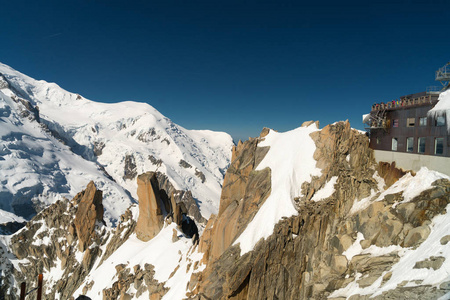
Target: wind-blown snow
442,107
291,161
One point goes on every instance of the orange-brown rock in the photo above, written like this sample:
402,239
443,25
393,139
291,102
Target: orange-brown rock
176,210
151,217
303,258
90,210
244,190
390,173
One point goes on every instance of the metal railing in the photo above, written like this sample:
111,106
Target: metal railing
434,89
443,73
399,103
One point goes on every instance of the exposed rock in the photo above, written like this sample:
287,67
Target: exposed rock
90,210
316,238
187,204
98,148
148,136
177,213
200,175
154,205
434,262
389,172
445,240
244,190
141,279
155,161
308,123
53,235
184,164
129,171
151,215
3,82
175,237
416,236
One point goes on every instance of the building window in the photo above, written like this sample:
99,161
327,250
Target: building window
395,123
423,121
439,146
410,122
440,121
409,144
394,144
421,145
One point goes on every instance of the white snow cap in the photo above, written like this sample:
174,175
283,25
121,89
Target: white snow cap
127,134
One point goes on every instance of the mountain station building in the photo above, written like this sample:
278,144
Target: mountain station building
413,130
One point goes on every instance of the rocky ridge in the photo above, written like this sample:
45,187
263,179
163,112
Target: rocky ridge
318,237
344,246
69,238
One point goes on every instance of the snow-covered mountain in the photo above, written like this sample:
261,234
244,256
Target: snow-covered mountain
304,214
53,142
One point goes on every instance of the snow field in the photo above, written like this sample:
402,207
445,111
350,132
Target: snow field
291,161
160,252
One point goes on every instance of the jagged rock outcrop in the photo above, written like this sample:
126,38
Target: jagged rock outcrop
305,256
184,200
50,241
158,199
244,190
54,241
129,171
151,214
90,211
3,82
141,280
390,173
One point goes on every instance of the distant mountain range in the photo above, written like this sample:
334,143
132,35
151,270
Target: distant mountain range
115,201
53,142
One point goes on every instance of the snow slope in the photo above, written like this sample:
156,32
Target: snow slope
291,161
167,257
442,107
125,139
37,169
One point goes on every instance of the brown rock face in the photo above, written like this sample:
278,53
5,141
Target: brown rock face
151,216
390,173
244,190
303,258
90,210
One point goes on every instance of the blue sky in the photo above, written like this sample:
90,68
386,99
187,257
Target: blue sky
233,66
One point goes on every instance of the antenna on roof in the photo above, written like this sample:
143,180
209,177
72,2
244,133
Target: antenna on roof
443,76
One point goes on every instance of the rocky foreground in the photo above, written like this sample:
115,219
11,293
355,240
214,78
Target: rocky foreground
376,235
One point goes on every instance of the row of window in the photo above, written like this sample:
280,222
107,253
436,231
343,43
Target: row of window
421,143
423,121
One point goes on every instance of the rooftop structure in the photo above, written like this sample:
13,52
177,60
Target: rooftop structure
403,130
443,75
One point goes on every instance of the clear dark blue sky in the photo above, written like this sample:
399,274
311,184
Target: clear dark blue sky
233,66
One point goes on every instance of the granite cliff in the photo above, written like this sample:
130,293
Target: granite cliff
346,245
337,225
